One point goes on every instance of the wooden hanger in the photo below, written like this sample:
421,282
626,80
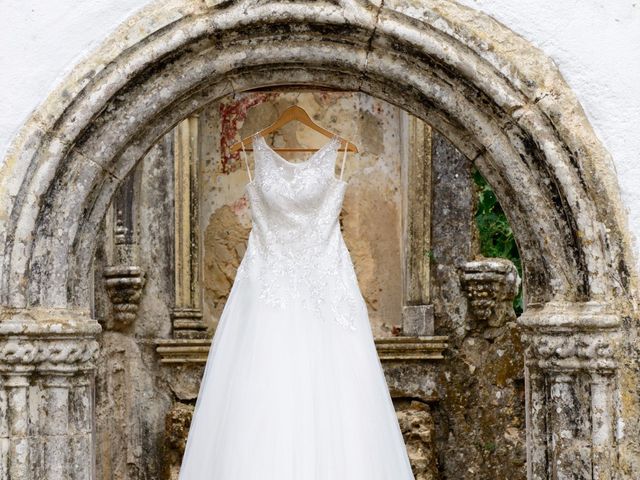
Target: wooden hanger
294,112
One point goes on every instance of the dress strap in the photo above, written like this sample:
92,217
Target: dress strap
344,157
246,161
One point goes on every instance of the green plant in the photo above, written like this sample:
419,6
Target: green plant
490,447
496,236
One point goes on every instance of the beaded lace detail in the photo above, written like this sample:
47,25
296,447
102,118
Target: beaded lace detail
295,249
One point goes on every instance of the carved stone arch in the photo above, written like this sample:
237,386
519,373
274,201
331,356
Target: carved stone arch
498,99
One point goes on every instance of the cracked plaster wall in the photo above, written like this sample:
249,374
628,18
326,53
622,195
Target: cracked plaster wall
372,206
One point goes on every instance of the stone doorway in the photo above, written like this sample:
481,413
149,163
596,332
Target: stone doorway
408,221
497,99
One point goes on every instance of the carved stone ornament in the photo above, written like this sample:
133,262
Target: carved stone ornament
47,366
188,323
559,341
61,346
124,285
491,285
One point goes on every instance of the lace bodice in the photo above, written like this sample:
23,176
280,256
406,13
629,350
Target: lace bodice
295,250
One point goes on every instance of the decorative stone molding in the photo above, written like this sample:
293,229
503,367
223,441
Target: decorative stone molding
188,323
53,353
571,337
63,342
124,284
183,351
47,365
571,373
580,351
407,348
491,286
187,314
124,280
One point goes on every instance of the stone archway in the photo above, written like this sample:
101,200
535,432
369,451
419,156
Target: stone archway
499,100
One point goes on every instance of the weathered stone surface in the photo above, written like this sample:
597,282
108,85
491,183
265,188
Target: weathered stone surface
480,414
130,410
480,418
131,396
224,244
499,100
491,286
500,143
177,429
47,362
417,320
572,355
418,429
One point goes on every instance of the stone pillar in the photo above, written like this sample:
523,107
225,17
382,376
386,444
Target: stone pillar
187,312
571,380
15,426
452,230
46,400
602,415
4,432
417,312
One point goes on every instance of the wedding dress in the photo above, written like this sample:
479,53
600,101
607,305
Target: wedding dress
293,388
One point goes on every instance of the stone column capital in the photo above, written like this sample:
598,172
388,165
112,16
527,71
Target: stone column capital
564,336
47,340
570,317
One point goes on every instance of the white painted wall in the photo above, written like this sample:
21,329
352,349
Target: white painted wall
596,44
40,43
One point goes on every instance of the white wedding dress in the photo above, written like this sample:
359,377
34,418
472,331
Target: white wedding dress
293,388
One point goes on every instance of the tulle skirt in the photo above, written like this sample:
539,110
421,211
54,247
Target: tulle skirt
287,396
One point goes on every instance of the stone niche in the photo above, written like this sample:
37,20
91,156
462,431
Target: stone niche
171,244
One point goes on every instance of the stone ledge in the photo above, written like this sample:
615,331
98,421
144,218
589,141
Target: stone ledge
196,350
411,348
